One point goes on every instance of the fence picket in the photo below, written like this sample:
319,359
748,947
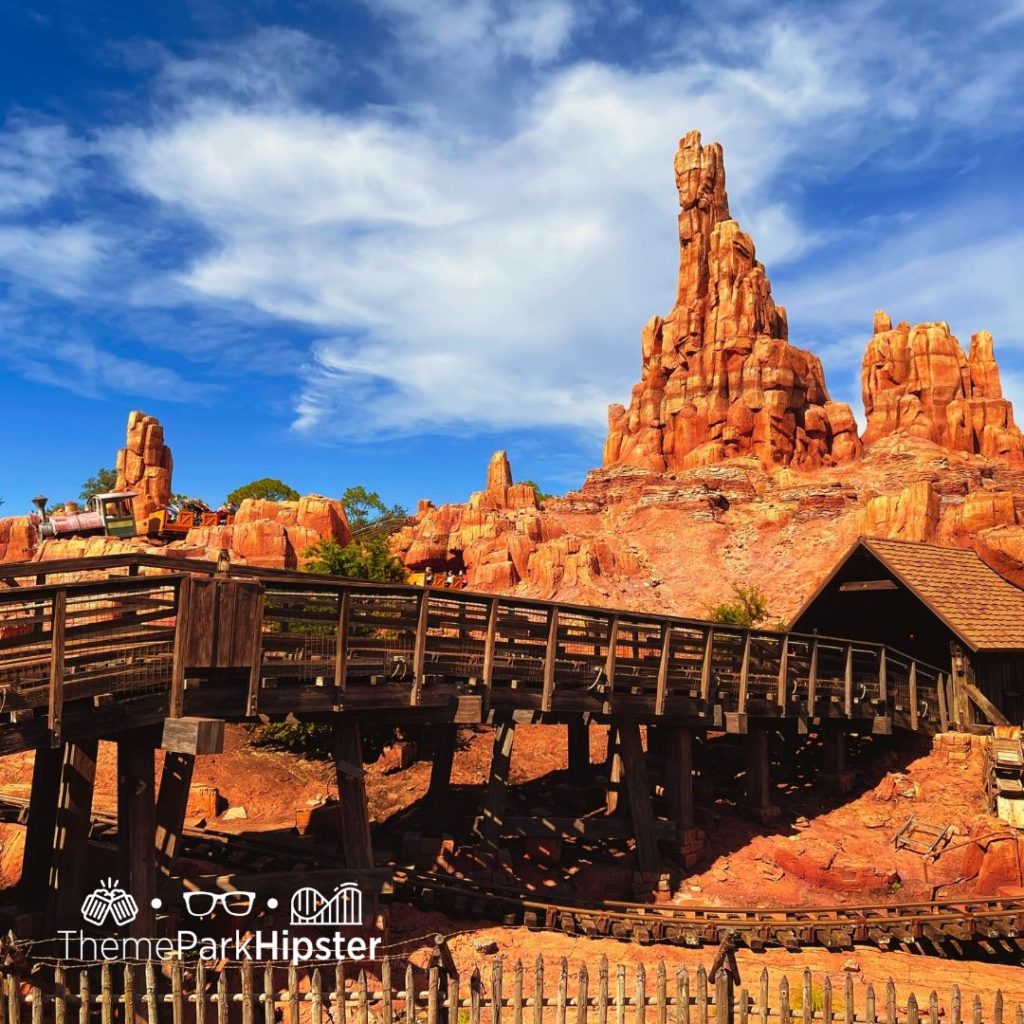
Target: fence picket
602,991
517,994
224,998
387,1010
997,1007
912,1017
762,1002
316,1003
976,1010
702,995
826,1001
784,1001
933,1008
474,996
538,991
890,1002
199,995
293,994
563,991
682,996
744,1005
954,1006
36,995
583,995
363,1003
129,994
641,994
410,995
848,1014
152,1009
807,997
84,999
723,1011
661,1012
268,995
106,994
177,993
869,1005
497,977
60,1003
620,994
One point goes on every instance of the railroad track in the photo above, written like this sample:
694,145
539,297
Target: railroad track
962,927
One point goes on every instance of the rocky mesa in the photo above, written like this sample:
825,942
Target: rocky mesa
731,464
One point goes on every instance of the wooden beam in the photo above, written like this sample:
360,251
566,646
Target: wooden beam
638,792
55,696
419,653
759,783
171,807
663,666
341,644
74,808
940,686
705,668
679,775
177,697
883,681
610,658
489,644
848,682
995,716
193,735
858,586
353,810
39,835
613,770
783,688
252,697
744,675
498,782
550,659
438,798
136,825
578,741
912,689
812,680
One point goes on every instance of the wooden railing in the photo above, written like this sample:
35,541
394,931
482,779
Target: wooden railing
322,643
397,993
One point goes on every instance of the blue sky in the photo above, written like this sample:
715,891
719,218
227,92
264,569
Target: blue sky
370,242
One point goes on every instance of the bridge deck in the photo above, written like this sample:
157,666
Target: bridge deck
98,644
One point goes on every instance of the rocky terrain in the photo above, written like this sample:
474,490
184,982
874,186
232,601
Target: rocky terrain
732,465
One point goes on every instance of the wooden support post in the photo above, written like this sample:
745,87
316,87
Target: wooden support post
836,776
940,686
256,668
579,751
812,680
497,783
419,654
679,775
783,688
610,657
613,770
42,819
489,643
55,700
883,680
848,682
438,795
705,668
171,805
341,644
136,824
353,810
550,659
663,666
638,791
744,675
912,690
177,701
68,857
759,783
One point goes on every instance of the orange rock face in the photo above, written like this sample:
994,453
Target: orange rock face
17,539
719,378
144,465
917,380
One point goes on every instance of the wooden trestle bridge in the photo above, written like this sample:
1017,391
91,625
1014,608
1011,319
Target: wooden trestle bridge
120,647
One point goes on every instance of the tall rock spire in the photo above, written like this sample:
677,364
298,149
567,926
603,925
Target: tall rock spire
719,378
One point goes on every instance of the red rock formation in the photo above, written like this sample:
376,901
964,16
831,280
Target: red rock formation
719,378
910,514
917,380
144,465
18,538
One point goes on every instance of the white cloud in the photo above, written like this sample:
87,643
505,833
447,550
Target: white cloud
36,161
59,258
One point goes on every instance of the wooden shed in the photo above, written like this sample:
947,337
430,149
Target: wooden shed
941,605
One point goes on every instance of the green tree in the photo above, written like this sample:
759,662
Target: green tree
267,488
749,608
362,559
369,516
104,481
541,495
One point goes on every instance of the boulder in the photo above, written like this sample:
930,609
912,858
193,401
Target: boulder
910,514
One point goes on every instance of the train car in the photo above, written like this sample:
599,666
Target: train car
107,515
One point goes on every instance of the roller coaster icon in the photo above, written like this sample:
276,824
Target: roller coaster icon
343,908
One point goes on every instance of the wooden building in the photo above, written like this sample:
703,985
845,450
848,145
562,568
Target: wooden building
942,605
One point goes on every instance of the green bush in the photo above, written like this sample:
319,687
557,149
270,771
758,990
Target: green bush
749,608
267,489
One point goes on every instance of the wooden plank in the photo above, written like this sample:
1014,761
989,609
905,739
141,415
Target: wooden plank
497,782
341,644
136,824
55,697
912,689
705,668
812,679
783,686
438,796
610,658
171,805
883,681
679,775
193,735
489,643
353,812
638,791
848,682
995,716
256,655
663,666
419,653
744,675
940,685
181,631
550,659
39,835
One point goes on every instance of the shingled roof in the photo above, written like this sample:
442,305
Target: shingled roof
981,607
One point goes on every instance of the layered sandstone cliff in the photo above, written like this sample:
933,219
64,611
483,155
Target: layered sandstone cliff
144,465
917,379
719,378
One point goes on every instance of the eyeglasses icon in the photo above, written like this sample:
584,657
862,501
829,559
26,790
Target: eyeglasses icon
202,904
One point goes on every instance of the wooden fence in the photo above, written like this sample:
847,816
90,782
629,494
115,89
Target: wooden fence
247,993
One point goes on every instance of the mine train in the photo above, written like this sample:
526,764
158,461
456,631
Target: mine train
113,515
